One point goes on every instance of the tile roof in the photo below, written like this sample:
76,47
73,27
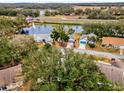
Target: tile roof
113,41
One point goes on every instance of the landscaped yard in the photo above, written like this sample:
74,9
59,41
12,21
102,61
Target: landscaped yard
103,49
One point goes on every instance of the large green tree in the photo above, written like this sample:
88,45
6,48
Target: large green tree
115,29
13,51
60,34
51,70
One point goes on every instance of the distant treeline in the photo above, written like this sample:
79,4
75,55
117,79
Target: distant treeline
53,5
15,12
106,10
113,29
101,13
33,5
101,4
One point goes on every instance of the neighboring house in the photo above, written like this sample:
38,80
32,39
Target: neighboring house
84,40
82,43
70,43
115,42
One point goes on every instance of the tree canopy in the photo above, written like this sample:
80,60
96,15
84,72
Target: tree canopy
60,34
52,70
114,29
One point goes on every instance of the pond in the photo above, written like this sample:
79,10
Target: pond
45,30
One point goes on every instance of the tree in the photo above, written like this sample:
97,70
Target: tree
79,12
21,21
67,10
59,34
47,13
55,35
7,53
87,11
14,50
53,70
92,41
6,26
23,45
99,14
115,29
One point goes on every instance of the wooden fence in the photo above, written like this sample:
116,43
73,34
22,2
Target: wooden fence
116,75
7,76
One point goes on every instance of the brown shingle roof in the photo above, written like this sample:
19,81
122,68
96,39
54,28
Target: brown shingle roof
113,41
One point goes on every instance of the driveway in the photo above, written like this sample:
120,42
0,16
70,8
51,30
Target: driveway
101,54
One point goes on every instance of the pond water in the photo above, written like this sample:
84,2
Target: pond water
47,28
43,31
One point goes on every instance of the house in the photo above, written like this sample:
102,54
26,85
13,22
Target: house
115,42
84,40
70,43
82,43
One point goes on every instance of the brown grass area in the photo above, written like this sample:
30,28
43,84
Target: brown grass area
8,17
40,45
26,86
57,45
85,7
59,17
107,60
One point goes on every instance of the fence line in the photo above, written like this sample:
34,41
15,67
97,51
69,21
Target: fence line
116,75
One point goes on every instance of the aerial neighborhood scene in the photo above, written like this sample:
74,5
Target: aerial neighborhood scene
62,45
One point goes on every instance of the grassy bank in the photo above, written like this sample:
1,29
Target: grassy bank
71,22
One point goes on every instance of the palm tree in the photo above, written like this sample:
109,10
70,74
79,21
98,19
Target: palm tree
59,34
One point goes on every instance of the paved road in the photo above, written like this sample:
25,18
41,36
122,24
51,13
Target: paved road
101,54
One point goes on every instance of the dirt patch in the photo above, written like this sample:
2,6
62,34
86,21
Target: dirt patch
86,7
26,86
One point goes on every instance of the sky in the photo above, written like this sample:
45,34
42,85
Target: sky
58,1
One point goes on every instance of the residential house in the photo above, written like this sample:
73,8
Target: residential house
114,42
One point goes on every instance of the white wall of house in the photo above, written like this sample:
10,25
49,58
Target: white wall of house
82,44
70,43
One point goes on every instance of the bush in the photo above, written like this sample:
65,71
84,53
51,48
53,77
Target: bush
57,70
13,51
47,46
7,54
91,45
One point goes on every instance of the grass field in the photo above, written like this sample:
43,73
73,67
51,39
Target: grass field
70,20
